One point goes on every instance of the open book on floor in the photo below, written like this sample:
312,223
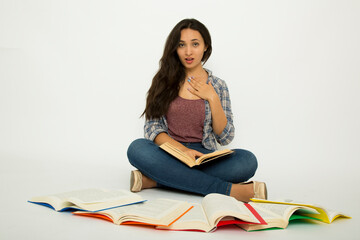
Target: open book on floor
277,214
158,212
88,199
182,156
215,210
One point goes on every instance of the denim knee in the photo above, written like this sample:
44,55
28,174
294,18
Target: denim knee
248,164
252,164
134,149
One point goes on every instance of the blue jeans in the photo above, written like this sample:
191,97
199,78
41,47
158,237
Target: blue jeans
212,177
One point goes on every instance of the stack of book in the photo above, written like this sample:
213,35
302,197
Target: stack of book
123,207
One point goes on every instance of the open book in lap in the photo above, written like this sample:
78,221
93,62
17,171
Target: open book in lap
213,209
158,212
182,156
87,199
278,213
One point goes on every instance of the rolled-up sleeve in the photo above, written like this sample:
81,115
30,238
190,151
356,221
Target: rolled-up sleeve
228,133
153,127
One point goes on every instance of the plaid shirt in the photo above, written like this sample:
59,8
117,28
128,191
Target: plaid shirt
153,127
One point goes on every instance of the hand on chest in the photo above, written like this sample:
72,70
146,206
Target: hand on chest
185,93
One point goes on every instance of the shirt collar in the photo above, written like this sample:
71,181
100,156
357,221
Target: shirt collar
208,71
209,74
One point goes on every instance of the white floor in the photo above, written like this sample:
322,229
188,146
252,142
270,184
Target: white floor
22,220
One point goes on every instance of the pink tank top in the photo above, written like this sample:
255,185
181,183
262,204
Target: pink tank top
185,119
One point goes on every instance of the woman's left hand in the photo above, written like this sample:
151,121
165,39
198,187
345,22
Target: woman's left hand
203,90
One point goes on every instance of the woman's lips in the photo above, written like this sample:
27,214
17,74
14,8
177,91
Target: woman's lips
189,60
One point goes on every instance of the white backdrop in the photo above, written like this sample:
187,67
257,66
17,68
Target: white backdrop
74,75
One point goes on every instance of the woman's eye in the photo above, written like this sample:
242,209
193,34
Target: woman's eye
181,45
195,44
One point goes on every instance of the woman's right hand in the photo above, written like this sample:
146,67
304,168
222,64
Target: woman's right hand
164,137
193,153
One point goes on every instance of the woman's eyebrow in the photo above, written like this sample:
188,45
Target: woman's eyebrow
192,40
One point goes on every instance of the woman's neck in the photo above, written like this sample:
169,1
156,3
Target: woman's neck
198,73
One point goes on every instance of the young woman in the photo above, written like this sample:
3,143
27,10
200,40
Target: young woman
190,108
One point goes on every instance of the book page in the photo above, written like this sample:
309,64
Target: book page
155,209
194,219
66,199
196,214
275,215
178,154
88,199
150,210
331,215
97,195
218,206
187,159
278,211
94,195
213,155
266,215
322,214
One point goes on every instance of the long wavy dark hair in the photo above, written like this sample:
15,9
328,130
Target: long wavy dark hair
167,81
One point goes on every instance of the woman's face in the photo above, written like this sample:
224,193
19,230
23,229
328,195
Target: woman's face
191,48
